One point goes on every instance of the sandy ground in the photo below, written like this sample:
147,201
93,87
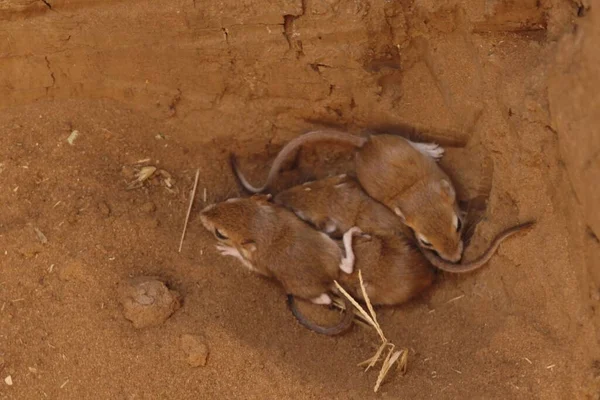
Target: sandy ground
511,88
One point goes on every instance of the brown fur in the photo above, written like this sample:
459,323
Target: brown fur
394,271
277,244
394,268
339,203
399,176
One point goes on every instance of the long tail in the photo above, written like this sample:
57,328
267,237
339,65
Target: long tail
341,327
482,260
313,136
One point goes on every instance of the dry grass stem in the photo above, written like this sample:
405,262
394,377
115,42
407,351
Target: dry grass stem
370,306
189,211
360,319
455,298
72,137
145,173
370,362
40,235
392,357
403,363
361,310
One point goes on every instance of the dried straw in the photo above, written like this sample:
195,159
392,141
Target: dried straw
400,357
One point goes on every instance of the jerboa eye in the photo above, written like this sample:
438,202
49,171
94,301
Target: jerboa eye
424,242
219,235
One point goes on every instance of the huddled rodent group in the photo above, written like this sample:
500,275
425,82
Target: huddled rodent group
402,175
396,221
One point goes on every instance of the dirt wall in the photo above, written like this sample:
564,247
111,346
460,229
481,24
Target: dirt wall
509,87
574,102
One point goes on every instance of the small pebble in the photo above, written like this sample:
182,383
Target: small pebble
8,380
72,270
196,349
104,209
73,217
148,207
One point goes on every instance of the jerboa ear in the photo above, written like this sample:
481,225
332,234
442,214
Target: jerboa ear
447,191
249,245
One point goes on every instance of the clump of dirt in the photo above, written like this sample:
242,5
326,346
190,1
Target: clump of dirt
148,302
509,88
196,350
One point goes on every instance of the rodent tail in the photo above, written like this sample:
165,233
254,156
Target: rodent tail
324,135
482,260
241,178
340,328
